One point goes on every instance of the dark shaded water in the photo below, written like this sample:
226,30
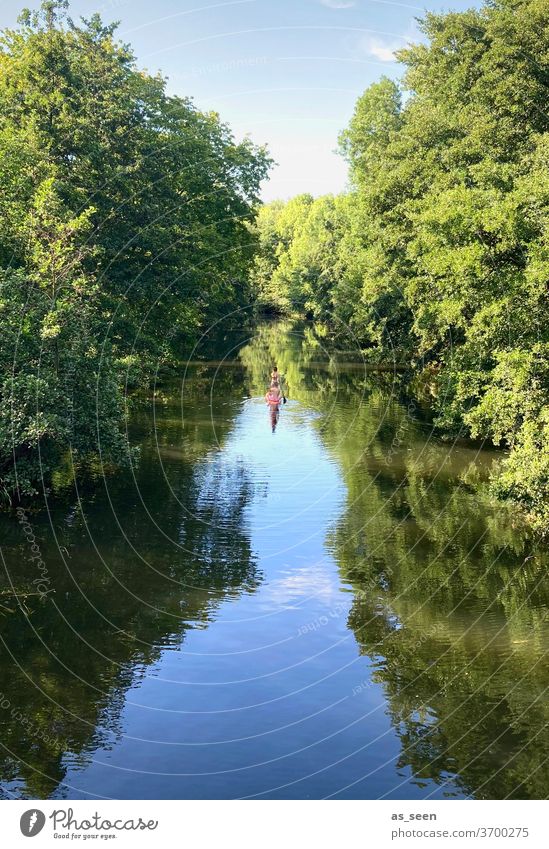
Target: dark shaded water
332,609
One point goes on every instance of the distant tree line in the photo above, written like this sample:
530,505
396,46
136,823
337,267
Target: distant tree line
438,256
124,232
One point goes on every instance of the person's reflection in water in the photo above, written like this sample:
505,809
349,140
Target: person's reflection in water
275,414
272,398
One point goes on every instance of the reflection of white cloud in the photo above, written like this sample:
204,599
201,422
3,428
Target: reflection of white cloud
338,4
308,581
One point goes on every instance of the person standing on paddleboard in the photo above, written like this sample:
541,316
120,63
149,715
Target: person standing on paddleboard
276,380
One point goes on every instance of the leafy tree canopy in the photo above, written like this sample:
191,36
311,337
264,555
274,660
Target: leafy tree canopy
438,257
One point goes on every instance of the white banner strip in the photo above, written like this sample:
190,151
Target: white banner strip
277,824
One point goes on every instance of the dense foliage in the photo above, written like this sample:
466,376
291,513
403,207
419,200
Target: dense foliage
124,231
438,257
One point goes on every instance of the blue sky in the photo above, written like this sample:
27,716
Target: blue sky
286,72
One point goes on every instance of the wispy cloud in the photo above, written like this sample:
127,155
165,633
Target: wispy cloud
380,48
338,4
383,49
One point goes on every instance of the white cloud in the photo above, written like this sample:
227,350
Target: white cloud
381,48
338,4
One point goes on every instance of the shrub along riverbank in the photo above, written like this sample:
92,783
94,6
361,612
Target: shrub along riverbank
438,257
124,233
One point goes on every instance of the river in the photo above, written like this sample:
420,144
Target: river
326,604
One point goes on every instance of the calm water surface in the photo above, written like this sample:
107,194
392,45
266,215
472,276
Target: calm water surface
330,608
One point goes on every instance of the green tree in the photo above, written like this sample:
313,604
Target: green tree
124,232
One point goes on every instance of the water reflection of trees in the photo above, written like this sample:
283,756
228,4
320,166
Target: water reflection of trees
174,546
453,599
451,596
312,369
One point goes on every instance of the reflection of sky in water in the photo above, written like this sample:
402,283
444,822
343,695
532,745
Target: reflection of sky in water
302,489
297,493
294,493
